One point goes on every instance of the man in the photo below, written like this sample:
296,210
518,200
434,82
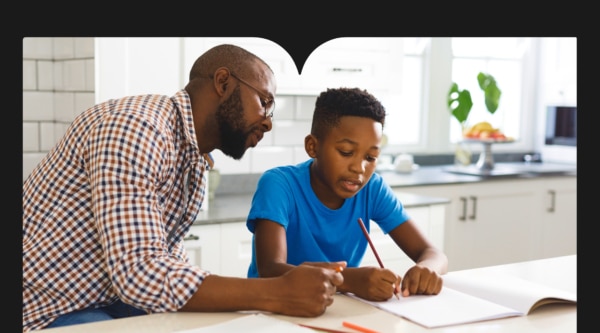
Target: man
105,212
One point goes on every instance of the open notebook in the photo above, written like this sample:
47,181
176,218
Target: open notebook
471,297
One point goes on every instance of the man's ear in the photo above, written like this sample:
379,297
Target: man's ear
310,145
221,80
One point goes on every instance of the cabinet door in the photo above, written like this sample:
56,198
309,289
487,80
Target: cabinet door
236,249
374,64
487,223
504,222
559,217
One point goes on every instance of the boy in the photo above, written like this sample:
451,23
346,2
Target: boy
308,212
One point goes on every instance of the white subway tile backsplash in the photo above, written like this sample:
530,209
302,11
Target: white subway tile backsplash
30,161
290,133
64,106
83,101
45,75
47,136
31,139
29,75
264,158
38,106
37,48
59,81
305,106
74,75
284,108
228,165
84,47
64,48
90,82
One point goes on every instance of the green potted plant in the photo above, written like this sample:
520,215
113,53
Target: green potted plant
460,104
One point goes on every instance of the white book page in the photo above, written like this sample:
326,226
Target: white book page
472,297
507,290
252,323
449,307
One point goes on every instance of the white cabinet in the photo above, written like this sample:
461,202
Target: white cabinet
429,219
374,64
558,199
492,224
126,66
222,248
502,221
142,65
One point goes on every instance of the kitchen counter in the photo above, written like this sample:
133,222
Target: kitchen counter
449,174
227,208
235,207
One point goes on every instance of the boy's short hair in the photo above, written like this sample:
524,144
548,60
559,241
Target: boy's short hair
335,103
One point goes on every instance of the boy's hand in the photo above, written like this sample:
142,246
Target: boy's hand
420,280
372,283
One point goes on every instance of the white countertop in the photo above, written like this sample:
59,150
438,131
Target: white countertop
559,272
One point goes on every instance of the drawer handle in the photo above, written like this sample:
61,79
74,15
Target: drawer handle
463,216
552,207
474,215
191,237
352,70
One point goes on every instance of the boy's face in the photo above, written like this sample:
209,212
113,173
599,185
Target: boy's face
344,159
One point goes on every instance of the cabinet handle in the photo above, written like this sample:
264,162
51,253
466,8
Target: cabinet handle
463,216
552,207
474,211
352,70
191,237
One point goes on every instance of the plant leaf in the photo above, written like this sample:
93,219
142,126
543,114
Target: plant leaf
492,93
459,103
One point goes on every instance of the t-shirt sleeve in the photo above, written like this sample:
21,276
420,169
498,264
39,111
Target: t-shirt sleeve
388,210
272,199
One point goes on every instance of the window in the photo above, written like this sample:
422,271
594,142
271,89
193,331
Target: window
502,58
405,110
419,120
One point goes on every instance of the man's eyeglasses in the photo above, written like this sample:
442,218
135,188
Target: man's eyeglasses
268,104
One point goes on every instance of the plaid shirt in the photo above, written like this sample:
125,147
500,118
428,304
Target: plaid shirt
98,209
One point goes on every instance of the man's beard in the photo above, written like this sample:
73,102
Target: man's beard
230,119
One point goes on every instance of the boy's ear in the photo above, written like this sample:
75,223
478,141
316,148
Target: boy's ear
310,145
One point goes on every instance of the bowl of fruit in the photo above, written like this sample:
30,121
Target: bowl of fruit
484,132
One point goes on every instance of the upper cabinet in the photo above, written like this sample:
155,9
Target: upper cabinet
371,63
131,66
558,76
126,66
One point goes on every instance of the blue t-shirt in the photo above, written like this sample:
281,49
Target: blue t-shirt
315,232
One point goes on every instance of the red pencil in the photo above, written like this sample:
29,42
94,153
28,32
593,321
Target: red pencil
366,233
358,328
364,229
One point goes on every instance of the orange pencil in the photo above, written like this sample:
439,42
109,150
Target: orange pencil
366,233
358,328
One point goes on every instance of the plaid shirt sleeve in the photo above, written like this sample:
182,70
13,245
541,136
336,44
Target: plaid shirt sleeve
130,162
98,208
